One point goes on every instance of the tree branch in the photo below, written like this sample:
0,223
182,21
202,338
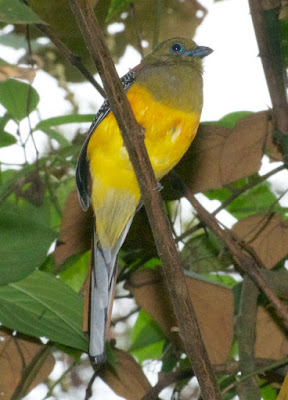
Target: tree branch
70,57
133,138
274,79
246,332
230,368
244,260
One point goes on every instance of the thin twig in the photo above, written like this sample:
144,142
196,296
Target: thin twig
59,380
136,28
247,187
70,57
230,368
28,105
30,372
124,317
133,138
236,193
89,394
157,21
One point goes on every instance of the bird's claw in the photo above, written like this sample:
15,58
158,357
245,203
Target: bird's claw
159,187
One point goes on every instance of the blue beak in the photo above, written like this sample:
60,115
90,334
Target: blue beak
199,51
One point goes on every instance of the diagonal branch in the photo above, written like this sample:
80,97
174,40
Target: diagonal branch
134,141
274,79
245,261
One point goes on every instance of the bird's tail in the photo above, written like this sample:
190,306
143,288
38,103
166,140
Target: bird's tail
102,287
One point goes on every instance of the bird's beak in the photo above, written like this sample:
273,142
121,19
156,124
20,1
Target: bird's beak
199,51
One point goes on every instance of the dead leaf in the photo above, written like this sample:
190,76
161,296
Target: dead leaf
31,188
75,231
11,71
219,156
126,377
271,339
267,234
272,150
283,395
213,306
16,354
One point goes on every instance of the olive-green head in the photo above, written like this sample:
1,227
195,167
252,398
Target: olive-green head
178,50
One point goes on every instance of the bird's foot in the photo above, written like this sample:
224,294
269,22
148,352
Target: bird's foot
159,187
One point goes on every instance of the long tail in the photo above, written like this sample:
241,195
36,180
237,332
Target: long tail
102,286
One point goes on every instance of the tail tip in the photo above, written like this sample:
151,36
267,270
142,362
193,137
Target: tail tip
98,359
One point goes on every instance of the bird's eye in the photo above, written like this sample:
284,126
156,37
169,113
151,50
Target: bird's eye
176,48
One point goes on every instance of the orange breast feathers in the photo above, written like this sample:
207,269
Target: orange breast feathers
115,192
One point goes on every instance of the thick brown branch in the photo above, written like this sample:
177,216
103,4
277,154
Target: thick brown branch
134,141
246,333
275,85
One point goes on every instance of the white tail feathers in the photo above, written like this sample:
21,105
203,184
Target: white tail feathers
103,274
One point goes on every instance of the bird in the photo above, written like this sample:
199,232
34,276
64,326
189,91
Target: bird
165,92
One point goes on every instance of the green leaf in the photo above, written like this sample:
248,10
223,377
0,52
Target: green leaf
204,253
53,134
42,305
230,120
268,392
221,279
19,41
117,6
258,199
15,12
6,139
25,240
147,338
75,275
65,119
18,97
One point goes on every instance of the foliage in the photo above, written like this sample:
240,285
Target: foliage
45,236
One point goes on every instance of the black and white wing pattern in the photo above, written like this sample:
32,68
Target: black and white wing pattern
82,169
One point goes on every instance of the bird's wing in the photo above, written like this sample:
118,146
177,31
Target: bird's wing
103,260
82,169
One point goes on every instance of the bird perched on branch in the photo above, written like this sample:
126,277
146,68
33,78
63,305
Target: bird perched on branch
165,94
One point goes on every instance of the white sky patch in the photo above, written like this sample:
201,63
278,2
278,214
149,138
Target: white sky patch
211,205
116,27
233,75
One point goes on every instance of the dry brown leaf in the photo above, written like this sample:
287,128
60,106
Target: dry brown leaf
11,71
267,234
271,339
75,231
271,149
126,377
15,355
283,395
219,156
213,306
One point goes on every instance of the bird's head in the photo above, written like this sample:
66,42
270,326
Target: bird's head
177,51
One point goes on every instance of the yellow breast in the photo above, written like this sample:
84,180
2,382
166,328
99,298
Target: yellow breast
115,192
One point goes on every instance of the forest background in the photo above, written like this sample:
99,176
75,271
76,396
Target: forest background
234,256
